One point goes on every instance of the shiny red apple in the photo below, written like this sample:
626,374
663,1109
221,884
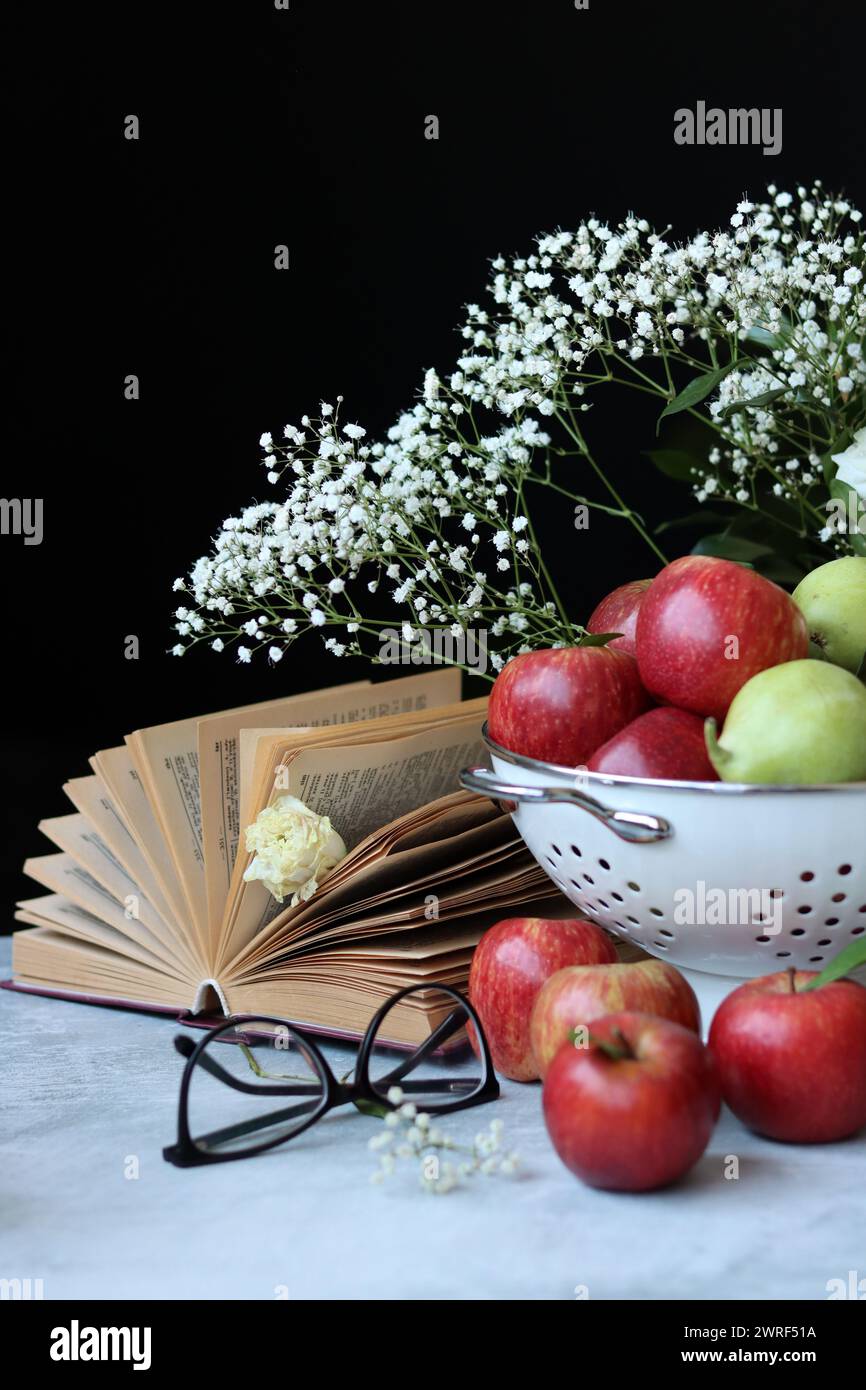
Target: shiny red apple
579,994
633,1109
560,704
664,742
618,612
511,963
792,1062
706,626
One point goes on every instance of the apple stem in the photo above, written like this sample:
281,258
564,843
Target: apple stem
791,973
610,1048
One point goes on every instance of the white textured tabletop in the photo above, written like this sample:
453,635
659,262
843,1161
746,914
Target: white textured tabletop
84,1090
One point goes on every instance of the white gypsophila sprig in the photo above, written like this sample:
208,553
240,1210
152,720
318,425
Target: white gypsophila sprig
433,523
432,518
410,1135
781,291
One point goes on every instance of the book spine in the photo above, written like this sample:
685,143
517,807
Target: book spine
200,995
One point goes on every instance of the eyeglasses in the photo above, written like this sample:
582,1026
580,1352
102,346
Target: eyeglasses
226,1100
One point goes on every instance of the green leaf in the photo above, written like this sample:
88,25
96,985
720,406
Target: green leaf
597,639
701,518
844,493
728,547
838,446
372,1107
764,337
674,463
782,571
763,399
698,389
840,965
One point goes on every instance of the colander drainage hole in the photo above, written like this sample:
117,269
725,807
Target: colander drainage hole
807,876
575,851
635,887
556,849
604,864
838,898
634,920
587,879
656,912
617,897
602,903
803,910
831,921
844,868
857,931
782,954
663,932
662,945
796,931
816,958
762,939
825,941
551,860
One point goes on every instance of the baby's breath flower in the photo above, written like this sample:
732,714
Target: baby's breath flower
422,1142
778,292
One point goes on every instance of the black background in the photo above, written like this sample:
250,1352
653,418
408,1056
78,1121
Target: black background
306,127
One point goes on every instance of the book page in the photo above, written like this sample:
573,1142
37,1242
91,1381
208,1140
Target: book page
61,875
117,770
90,796
395,705
76,837
393,853
219,756
167,759
77,966
361,788
274,753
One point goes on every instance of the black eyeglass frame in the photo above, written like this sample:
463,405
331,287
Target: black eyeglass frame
186,1153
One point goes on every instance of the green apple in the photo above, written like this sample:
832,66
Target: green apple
832,599
799,723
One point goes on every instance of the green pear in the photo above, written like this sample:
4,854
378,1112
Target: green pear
832,599
799,723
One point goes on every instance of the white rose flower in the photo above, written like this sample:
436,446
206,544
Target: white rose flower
852,464
295,849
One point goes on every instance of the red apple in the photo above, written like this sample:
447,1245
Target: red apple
511,963
560,704
706,626
664,742
579,994
634,1109
618,613
792,1064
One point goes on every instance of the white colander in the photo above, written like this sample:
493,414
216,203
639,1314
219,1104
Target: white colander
712,876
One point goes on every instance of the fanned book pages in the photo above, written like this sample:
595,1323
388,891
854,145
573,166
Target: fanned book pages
147,900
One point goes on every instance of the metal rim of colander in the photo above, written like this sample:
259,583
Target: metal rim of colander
606,779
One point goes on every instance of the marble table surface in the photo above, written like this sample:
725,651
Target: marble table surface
89,1098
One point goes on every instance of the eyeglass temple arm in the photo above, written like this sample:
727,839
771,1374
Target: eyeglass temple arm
446,1029
307,1088
239,1131
213,1068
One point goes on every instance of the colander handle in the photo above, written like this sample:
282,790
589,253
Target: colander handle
633,826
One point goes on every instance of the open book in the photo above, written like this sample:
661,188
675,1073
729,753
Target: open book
148,906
